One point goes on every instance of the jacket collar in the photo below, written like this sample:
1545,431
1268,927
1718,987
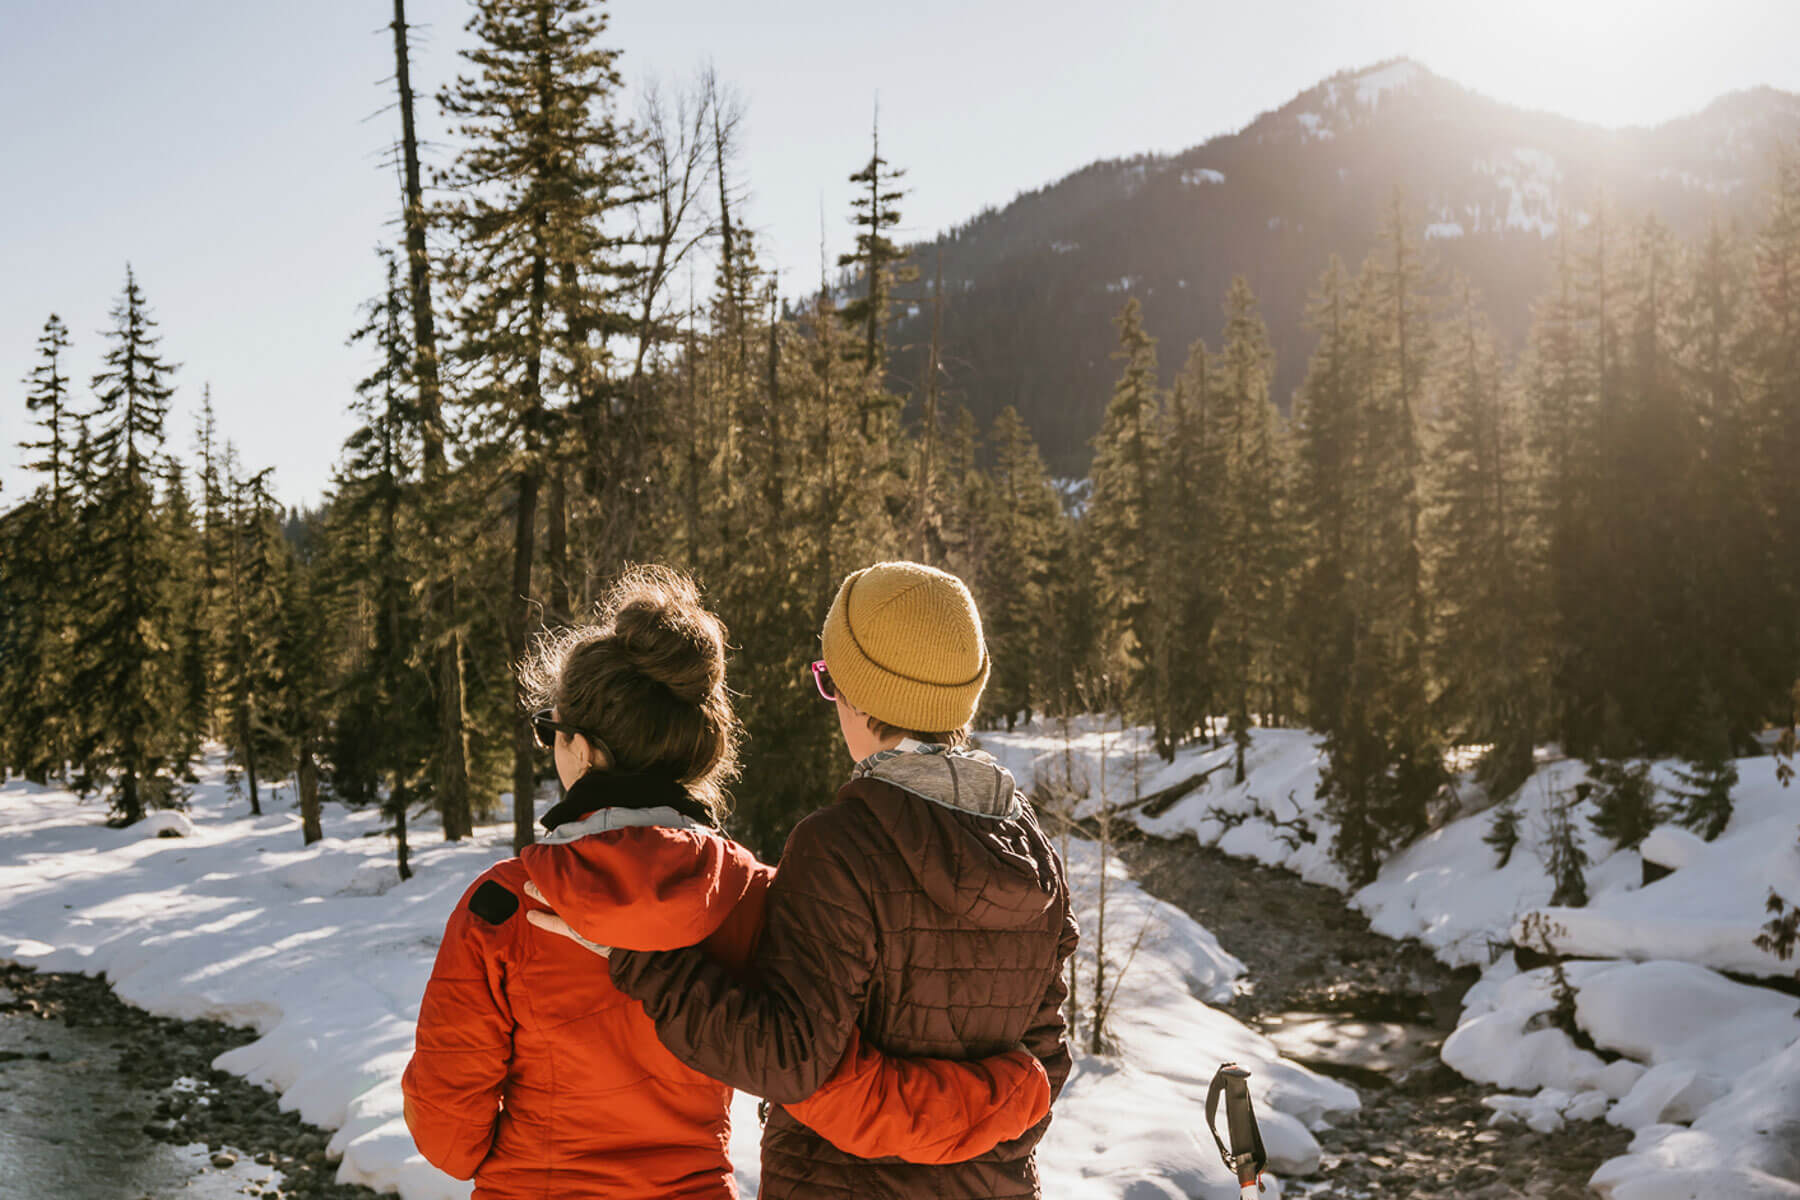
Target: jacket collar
906,746
967,780
642,790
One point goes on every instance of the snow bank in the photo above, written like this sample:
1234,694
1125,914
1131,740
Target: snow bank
1679,1043
319,949
1133,1124
1710,908
1273,817
324,953
1447,889
1689,1046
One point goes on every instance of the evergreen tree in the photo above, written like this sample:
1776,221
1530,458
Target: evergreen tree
299,703
1328,500
255,579
1559,389
1072,656
876,258
189,643
1502,833
383,736
1737,635
1248,538
205,624
1775,406
833,519
1710,772
1565,858
1651,441
34,704
1394,480
1624,798
534,187
1012,587
1486,648
964,505
48,401
450,757
1120,517
1587,581
1384,758
1187,589
126,682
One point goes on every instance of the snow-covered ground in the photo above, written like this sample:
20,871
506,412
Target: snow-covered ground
325,953
1132,1124
1705,1070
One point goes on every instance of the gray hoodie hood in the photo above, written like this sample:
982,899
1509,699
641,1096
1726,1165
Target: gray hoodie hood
966,835
966,780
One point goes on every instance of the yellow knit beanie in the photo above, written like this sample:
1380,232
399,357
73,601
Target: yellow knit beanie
903,644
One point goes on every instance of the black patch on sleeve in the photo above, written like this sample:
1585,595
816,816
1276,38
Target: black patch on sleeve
493,903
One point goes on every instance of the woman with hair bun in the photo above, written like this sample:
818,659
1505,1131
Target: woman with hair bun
534,1075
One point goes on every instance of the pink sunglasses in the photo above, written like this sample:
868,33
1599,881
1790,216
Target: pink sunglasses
822,680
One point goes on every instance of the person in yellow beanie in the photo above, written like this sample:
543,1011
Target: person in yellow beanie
924,909
905,641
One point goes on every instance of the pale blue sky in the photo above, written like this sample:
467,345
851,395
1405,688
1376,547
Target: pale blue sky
230,149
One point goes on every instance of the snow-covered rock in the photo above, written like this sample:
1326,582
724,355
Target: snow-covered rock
165,823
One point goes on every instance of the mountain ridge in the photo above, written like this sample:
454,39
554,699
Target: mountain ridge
1032,285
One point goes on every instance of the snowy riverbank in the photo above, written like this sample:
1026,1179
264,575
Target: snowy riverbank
324,952
1705,1070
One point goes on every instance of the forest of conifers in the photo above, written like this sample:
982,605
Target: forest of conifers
1594,541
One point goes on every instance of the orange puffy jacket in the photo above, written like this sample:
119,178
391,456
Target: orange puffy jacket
534,1076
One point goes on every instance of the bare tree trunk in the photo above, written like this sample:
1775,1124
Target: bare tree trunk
398,801
931,409
518,620
556,547
451,765
777,483
250,761
307,776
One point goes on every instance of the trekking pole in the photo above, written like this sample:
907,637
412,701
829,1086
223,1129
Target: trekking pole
1246,1157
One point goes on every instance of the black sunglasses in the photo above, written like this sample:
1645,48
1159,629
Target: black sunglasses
545,727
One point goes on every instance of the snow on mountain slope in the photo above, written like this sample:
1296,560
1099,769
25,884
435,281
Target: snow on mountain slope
324,952
1395,76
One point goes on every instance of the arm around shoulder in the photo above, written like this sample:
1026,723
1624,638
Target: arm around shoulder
925,1110
779,1031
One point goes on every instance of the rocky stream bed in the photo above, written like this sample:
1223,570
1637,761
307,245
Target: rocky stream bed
103,1101
1372,1012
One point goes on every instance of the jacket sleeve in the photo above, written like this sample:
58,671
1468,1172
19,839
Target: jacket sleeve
925,1110
779,1031
464,1040
1046,1037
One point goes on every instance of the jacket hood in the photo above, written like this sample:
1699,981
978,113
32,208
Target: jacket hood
966,834
639,878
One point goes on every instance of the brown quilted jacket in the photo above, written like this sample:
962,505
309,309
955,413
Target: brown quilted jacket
926,908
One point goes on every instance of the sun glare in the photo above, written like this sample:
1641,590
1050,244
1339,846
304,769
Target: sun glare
1615,62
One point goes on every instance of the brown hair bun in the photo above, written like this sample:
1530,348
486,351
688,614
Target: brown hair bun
661,626
648,677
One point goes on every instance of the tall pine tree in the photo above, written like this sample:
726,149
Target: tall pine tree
127,681
533,189
1121,516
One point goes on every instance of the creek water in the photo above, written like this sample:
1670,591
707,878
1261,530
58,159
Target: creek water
70,1129
1372,1053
